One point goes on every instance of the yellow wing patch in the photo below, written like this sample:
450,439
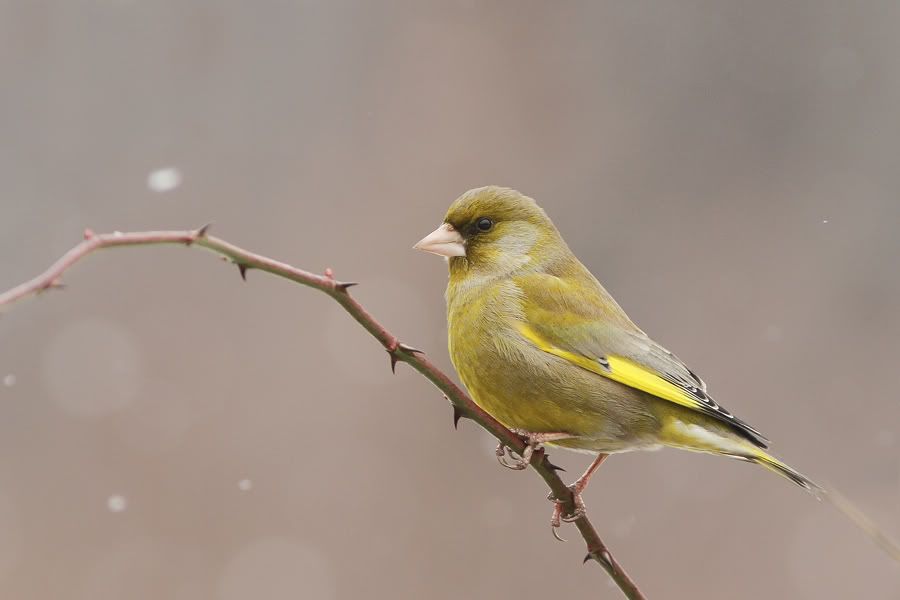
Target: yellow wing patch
623,370
634,375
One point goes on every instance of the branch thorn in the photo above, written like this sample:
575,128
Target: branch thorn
457,415
55,284
343,285
606,558
201,233
551,466
197,234
396,345
602,556
243,269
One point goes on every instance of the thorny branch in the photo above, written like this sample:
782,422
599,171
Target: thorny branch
463,405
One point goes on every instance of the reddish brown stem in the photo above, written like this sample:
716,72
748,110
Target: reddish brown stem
463,405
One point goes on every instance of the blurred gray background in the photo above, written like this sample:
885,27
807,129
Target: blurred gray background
728,169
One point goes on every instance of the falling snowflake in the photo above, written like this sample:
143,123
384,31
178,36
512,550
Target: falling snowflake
164,180
116,503
9,380
245,485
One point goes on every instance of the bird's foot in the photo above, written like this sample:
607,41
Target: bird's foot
559,506
533,442
559,509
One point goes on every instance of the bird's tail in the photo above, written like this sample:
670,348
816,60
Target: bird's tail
776,466
832,497
700,438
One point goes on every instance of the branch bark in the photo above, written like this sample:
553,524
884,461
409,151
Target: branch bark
463,405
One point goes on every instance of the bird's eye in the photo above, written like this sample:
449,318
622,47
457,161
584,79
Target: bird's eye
484,224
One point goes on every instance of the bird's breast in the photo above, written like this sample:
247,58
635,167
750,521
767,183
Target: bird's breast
511,379
483,341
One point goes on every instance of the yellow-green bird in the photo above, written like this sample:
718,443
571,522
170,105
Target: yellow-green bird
545,349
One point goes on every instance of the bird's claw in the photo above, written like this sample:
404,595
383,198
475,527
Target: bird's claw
511,460
560,515
574,516
534,442
554,529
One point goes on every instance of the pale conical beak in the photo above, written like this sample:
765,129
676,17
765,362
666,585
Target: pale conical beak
443,241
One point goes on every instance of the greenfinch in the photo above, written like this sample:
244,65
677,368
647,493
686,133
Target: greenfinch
545,349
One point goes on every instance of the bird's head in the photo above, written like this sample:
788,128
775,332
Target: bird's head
493,230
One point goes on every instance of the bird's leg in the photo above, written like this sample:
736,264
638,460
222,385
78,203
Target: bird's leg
533,442
576,489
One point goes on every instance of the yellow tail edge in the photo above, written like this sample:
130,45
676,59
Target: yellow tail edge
776,466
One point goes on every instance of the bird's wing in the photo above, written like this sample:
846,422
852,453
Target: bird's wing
574,320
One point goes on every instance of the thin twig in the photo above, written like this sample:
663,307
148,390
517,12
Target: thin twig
463,405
